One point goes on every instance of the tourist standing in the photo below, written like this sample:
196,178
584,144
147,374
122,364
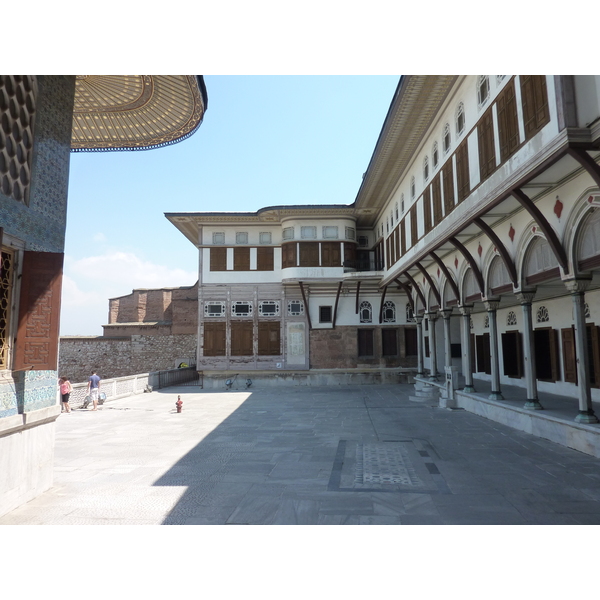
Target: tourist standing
94,389
65,392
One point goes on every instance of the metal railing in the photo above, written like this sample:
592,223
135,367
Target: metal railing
183,376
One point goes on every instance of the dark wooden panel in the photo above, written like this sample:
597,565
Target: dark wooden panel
218,259
269,343
241,259
448,186
487,151
365,342
241,338
265,258
462,171
214,338
39,312
508,121
309,254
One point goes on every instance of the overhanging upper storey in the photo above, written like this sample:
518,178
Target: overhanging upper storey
191,223
136,112
415,105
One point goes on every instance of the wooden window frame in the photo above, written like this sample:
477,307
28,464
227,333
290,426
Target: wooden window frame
448,186
462,171
241,259
365,342
265,258
331,254
309,254
218,258
215,338
534,100
242,343
389,346
487,148
266,345
508,121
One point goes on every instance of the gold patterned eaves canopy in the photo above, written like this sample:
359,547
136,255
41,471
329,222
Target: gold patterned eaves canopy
135,112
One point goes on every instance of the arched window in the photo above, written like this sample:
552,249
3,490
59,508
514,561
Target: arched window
435,155
366,312
402,203
389,312
392,217
397,211
460,119
447,139
426,168
483,89
410,315
413,188
387,225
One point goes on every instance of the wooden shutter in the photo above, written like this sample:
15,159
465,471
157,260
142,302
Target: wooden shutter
410,341
427,209
349,254
269,338
309,254
389,342
39,312
569,357
214,338
330,254
462,171
447,174
288,255
264,258
437,200
426,344
402,237
218,259
413,225
487,151
365,342
397,241
241,259
593,340
241,338
508,121
473,362
534,97
512,354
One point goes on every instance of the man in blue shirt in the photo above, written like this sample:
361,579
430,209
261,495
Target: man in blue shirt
94,389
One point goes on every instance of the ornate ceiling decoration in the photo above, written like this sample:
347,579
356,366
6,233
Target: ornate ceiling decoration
135,112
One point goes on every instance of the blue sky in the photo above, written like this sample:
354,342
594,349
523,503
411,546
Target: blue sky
265,140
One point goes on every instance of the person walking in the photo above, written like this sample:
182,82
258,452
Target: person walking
94,389
65,392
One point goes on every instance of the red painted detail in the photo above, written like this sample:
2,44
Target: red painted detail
455,262
591,199
558,207
438,272
480,250
423,280
511,233
495,250
534,229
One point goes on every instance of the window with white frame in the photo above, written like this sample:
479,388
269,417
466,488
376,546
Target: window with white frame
241,237
392,217
268,308
241,308
389,312
295,308
363,241
435,155
288,233
397,217
387,225
460,119
308,232
499,79
330,232
402,203
410,315
446,138
483,89
413,188
218,237
214,309
366,312
350,233
265,237
426,168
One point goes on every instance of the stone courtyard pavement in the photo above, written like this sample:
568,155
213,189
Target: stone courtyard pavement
356,455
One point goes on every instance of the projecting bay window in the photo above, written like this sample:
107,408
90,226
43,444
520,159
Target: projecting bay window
534,97
309,254
288,255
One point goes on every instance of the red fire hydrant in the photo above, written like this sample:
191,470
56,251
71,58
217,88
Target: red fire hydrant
179,404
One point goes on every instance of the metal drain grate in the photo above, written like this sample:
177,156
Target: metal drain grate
385,464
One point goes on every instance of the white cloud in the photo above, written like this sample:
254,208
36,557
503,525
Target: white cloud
99,237
89,282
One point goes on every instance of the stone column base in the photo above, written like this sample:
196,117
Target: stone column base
533,405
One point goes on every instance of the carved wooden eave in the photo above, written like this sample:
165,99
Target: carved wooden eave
415,105
135,112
